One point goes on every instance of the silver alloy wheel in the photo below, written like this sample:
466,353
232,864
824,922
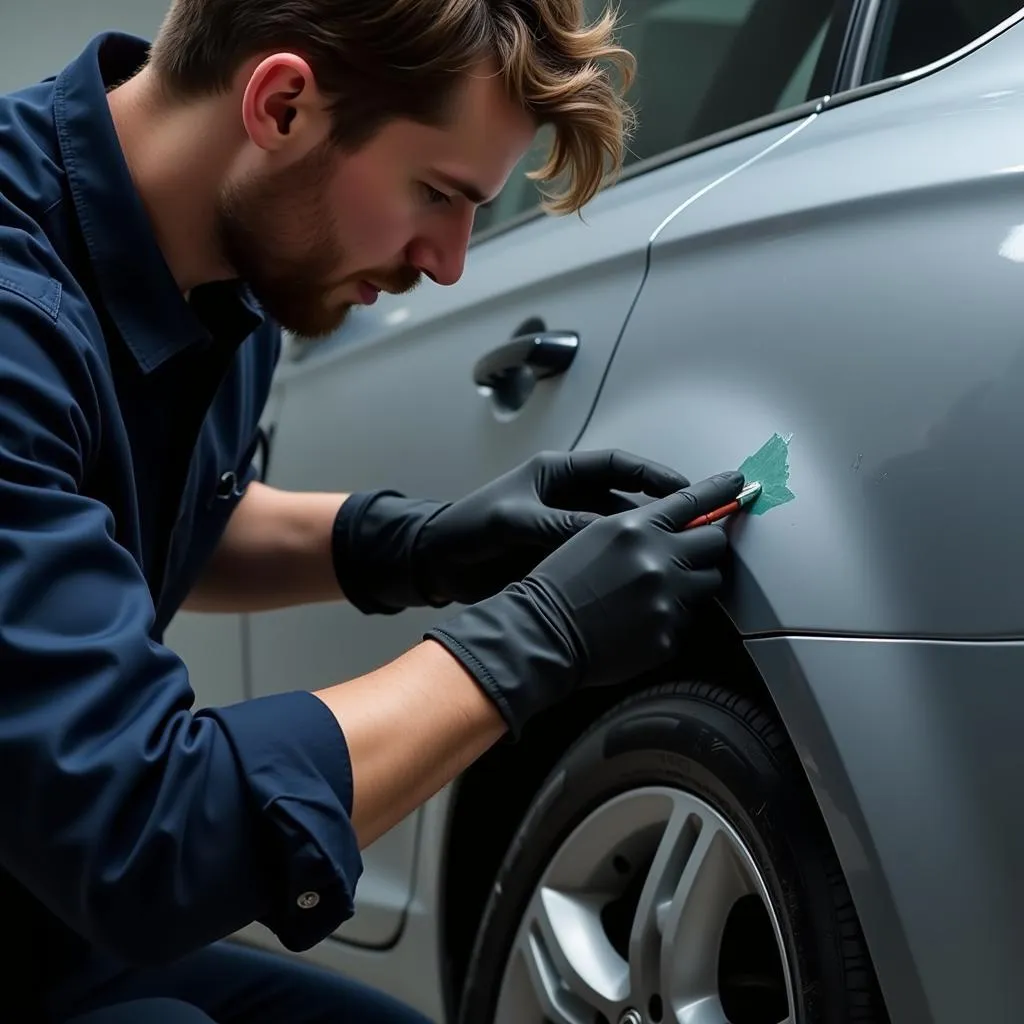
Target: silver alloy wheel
630,918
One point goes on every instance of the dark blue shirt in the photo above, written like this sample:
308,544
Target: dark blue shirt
129,821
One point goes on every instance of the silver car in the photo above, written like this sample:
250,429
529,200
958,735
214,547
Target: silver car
817,247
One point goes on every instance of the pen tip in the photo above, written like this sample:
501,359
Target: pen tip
749,492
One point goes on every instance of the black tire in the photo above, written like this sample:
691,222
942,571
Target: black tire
727,751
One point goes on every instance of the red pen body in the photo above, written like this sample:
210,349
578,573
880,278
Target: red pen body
745,497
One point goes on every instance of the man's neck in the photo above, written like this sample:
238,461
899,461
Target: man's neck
177,156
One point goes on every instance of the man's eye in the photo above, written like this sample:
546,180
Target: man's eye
434,196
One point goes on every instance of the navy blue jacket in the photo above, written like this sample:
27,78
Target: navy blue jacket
129,821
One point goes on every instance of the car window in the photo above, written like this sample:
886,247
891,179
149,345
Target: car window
910,34
704,66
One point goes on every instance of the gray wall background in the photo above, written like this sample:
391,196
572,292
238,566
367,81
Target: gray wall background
37,39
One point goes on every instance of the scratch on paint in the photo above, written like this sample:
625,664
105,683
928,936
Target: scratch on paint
770,465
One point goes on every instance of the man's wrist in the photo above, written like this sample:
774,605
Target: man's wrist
373,543
515,645
410,727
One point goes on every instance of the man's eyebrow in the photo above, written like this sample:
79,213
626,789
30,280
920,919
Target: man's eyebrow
470,191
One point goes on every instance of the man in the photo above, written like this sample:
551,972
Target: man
162,213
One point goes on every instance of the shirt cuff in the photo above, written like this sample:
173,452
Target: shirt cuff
293,755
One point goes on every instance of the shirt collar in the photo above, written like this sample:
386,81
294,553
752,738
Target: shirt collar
137,286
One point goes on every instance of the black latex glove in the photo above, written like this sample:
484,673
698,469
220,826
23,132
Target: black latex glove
393,552
610,604
477,546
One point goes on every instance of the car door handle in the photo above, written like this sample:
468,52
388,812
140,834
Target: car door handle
544,353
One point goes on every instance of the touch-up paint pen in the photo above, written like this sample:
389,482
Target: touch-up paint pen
744,498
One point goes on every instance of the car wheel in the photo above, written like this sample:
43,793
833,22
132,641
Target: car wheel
673,868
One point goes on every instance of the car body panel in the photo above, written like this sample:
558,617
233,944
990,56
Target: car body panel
789,291
913,751
389,401
214,649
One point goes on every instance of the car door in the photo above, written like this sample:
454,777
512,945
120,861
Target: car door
395,398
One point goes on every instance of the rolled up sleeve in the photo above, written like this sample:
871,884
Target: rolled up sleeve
148,828
319,857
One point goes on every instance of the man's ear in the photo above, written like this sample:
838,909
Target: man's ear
282,107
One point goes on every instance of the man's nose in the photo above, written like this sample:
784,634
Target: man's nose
440,253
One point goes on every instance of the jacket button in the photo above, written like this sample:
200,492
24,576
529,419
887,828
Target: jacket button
308,900
227,485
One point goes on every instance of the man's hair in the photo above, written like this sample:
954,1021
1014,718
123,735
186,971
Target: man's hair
379,60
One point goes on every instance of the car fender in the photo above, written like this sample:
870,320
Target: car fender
858,291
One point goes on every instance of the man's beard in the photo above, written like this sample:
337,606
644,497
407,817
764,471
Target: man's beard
259,221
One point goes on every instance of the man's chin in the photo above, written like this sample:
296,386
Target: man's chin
310,323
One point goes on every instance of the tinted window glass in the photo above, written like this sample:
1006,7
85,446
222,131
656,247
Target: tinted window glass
704,66
912,33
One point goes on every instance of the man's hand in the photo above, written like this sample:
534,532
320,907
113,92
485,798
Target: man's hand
474,547
391,552
609,605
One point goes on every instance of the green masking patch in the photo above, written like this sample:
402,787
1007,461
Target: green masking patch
769,465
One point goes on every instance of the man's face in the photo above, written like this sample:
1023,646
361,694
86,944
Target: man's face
332,229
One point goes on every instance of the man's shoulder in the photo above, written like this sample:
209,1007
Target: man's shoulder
32,190
47,324
33,271
50,359
30,269
31,170
30,282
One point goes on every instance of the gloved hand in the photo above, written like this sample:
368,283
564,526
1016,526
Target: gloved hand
475,547
610,604
393,552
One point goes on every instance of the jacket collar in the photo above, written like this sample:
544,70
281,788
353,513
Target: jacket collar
136,285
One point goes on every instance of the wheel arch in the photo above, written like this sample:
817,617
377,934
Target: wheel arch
491,798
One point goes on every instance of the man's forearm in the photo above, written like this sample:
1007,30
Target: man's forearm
275,553
411,727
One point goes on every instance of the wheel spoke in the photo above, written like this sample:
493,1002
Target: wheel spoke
711,882
577,970
556,1002
645,940
702,1011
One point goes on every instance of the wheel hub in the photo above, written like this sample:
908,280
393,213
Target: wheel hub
634,921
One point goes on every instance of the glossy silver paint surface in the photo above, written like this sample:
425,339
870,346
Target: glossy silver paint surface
860,288
913,750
